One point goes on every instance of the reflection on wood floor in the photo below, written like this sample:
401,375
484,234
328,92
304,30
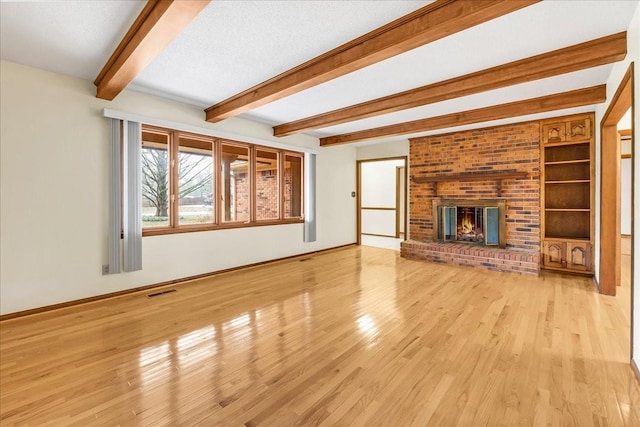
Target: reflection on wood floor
357,336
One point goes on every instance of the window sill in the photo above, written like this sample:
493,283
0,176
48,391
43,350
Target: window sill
210,227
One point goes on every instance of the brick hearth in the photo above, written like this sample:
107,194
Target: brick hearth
473,256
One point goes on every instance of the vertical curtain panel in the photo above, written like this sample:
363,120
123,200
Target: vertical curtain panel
115,225
310,197
132,196
125,197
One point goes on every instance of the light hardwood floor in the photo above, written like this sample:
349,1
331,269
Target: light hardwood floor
357,336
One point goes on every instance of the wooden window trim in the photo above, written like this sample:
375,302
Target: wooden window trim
250,157
208,227
215,178
174,192
218,224
289,153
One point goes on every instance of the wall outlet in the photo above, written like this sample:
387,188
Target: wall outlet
105,269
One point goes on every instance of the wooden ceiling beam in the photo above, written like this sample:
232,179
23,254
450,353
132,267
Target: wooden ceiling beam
593,53
157,25
432,22
571,99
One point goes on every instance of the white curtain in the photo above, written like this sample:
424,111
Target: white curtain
126,194
132,196
309,197
115,225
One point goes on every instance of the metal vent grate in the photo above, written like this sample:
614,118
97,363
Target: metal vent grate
155,294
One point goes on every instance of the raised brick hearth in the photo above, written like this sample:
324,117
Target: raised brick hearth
473,256
514,148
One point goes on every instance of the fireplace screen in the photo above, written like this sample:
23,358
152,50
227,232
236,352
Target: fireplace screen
470,224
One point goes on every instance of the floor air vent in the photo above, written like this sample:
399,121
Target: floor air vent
155,294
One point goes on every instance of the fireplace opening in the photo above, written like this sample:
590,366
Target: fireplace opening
470,224
479,222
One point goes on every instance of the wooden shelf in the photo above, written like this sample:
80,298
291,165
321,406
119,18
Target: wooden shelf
568,162
566,210
565,239
561,144
566,152
471,176
574,181
567,224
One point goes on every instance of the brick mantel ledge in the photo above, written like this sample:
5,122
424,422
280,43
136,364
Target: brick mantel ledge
490,258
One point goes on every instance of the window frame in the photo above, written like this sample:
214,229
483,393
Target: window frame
176,199
279,181
251,207
162,131
174,226
284,155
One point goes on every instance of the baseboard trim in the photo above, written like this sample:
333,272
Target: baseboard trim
62,305
380,235
636,370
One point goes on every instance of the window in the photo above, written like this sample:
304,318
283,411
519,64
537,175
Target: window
292,185
194,182
235,183
267,185
155,178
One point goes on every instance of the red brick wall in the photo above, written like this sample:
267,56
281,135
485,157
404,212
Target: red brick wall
242,196
267,194
287,192
513,147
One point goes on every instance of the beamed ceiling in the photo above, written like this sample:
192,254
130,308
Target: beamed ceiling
344,71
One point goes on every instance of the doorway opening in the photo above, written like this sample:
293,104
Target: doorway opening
382,202
626,184
612,169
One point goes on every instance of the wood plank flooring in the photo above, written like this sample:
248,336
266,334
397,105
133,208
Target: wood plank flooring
352,337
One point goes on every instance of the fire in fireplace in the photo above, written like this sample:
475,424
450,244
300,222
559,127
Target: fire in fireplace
470,224
479,222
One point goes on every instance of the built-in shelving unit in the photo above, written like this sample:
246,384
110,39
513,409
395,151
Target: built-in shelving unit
567,180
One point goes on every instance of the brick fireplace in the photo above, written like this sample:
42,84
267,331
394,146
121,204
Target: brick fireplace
497,166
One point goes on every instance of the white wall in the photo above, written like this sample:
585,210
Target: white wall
625,121
53,199
625,177
633,55
381,151
625,196
403,199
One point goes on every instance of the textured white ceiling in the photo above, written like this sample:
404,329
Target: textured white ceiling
233,45
68,37
522,91
530,31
